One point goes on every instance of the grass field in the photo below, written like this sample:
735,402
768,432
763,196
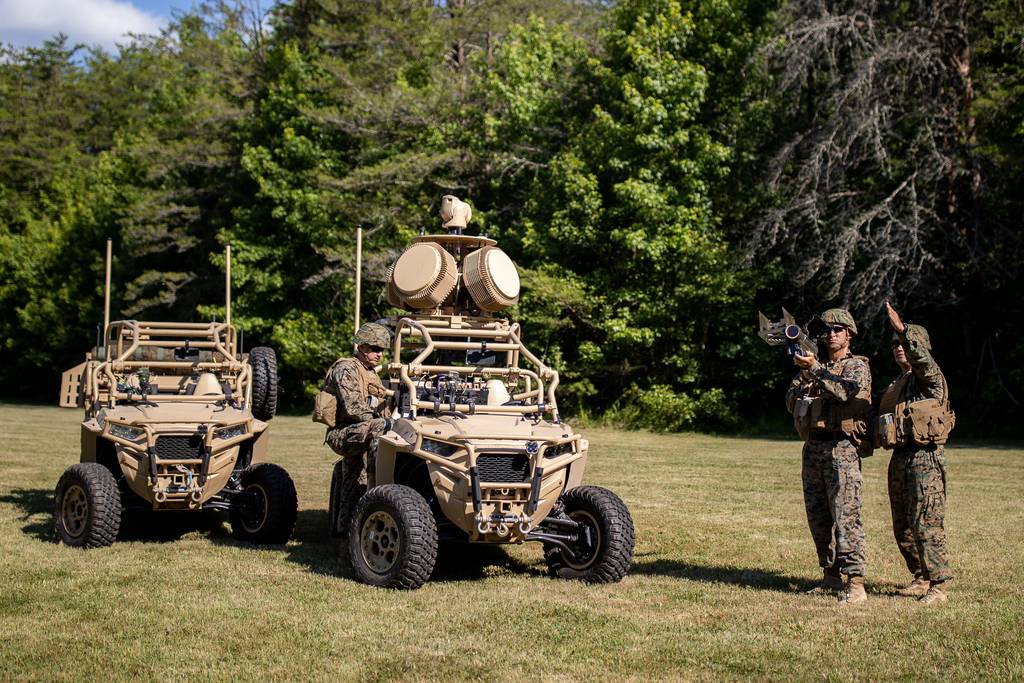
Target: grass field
722,554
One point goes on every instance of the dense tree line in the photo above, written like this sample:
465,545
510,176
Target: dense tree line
659,169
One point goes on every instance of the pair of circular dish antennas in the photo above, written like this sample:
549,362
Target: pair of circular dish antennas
426,273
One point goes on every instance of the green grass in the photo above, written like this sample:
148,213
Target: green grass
722,553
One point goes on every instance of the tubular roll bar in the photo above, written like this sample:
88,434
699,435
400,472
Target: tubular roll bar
513,348
218,337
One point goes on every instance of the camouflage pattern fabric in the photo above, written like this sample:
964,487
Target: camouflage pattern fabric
833,495
853,378
839,316
832,481
359,392
917,497
917,476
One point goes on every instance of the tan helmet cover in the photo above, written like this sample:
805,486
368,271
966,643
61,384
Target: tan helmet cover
916,333
424,275
491,278
839,316
372,334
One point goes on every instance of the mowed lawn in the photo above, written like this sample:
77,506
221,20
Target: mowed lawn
722,554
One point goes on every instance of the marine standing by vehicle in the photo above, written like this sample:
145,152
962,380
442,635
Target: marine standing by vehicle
914,421
830,403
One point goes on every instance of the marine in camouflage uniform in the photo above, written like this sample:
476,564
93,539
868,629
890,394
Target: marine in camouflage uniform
917,472
360,395
830,403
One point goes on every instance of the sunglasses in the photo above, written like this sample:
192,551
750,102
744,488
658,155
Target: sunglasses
377,349
836,328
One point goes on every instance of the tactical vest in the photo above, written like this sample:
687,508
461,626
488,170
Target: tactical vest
901,421
325,403
823,413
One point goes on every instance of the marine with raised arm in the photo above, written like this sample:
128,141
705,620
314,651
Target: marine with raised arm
914,421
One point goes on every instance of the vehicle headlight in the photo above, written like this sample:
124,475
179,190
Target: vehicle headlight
445,450
231,432
126,432
555,451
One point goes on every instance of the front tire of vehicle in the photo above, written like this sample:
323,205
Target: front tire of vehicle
392,538
609,556
87,510
268,514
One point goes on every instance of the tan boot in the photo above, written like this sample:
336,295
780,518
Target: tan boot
855,592
831,582
936,594
914,589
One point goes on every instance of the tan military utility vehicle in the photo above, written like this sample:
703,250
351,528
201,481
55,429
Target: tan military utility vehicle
477,452
175,420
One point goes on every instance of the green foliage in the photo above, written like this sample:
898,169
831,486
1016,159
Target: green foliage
617,150
659,408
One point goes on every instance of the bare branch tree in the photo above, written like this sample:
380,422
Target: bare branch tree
875,185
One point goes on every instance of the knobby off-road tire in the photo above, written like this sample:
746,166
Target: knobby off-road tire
87,510
392,538
269,517
263,361
612,526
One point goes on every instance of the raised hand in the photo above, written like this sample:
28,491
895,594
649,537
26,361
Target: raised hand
894,319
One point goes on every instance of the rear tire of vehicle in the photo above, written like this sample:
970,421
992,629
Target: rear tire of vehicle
611,556
263,361
87,510
270,517
392,538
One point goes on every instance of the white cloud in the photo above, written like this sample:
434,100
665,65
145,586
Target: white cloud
93,22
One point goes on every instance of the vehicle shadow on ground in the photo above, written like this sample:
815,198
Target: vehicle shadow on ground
762,579
314,548
36,507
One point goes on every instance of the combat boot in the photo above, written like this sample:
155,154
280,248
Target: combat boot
831,582
936,594
855,592
915,589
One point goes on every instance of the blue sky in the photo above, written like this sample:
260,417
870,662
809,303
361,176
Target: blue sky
93,22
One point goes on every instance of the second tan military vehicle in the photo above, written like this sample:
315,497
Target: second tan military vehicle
176,419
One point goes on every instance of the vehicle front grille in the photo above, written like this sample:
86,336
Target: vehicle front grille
178,447
503,469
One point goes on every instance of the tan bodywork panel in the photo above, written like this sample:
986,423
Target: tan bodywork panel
504,435
178,481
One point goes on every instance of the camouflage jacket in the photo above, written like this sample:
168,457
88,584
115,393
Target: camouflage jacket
358,389
841,380
924,380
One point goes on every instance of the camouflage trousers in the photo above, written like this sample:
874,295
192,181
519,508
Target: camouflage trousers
833,492
917,496
355,471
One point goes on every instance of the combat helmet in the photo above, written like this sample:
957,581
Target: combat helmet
373,334
919,333
839,316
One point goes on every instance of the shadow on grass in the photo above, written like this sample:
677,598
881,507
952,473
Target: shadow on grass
33,502
36,507
314,548
761,579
